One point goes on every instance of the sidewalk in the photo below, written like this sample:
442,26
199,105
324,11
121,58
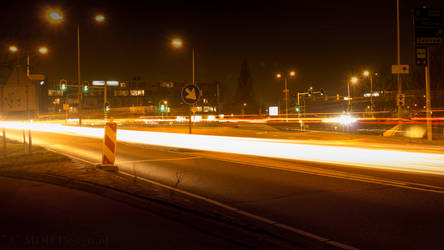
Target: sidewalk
36,215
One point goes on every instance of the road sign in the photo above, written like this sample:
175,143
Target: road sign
421,56
428,27
190,94
400,69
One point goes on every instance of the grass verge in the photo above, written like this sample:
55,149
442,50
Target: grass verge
16,155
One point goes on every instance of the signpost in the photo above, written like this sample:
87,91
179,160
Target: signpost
66,108
400,69
190,95
428,33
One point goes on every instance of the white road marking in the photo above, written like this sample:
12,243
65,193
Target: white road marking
327,173
248,214
154,160
230,208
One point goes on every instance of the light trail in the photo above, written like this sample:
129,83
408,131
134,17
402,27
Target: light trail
283,149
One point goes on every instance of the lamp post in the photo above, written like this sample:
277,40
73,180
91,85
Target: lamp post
56,16
41,50
279,75
178,43
352,80
370,75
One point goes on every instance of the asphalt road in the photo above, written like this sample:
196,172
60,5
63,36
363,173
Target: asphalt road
36,215
362,207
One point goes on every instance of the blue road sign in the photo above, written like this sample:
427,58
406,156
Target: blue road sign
190,94
428,27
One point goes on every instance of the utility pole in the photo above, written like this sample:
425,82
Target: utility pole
286,98
371,94
79,108
105,93
428,98
398,43
194,83
3,129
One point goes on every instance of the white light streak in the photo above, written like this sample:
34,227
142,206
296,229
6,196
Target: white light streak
284,149
343,120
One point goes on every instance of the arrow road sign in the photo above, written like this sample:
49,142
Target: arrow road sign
190,94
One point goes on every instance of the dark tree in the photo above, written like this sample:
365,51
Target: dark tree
245,94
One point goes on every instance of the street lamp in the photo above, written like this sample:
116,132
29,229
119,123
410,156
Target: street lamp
369,74
178,44
279,75
13,49
99,18
56,16
43,50
352,80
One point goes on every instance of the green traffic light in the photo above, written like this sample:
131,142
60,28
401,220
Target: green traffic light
298,109
85,88
63,87
162,107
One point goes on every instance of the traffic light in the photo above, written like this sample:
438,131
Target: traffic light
298,109
309,92
85,88
107,106
162,107
401,99
63,87
321,92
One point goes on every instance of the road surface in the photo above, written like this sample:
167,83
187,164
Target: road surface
37,215
370,208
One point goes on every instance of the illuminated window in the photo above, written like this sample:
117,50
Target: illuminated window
55,92
137,92
167,84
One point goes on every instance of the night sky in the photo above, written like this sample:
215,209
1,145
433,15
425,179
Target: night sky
325,42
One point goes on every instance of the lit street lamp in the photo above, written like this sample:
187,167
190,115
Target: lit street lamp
13,49
352,80
41,50
178,43
369,74
100,18
279,75
56,16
